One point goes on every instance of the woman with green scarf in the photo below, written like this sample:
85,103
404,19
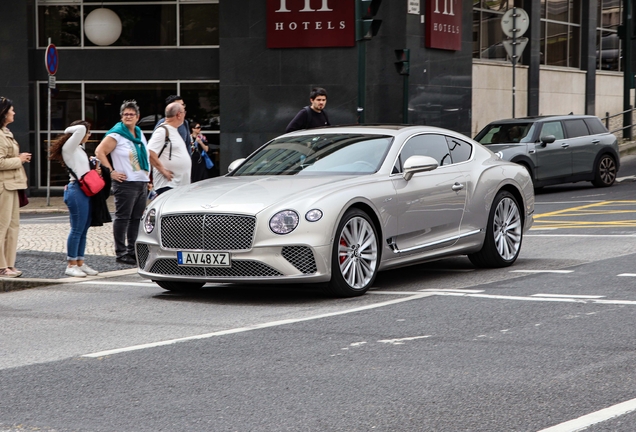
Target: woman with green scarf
126,146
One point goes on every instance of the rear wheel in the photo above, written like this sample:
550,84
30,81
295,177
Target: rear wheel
180,286
355,255
605,173
503,234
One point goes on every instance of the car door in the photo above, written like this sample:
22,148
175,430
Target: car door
431,204
553,159
583,146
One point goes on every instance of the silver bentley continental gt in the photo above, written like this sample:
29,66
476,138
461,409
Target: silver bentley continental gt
336,206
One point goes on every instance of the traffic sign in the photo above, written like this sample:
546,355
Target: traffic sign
521,22
51,59
520,46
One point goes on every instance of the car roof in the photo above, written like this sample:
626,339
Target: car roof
533,119
385,129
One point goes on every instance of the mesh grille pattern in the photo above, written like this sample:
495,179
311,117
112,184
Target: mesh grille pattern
207,232
238,269
301,257
142,254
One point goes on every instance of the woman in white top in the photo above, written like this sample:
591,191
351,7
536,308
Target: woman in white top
68,149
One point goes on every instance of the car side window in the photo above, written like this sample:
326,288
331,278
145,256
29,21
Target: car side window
425,145
553,128
460,150
595,126
576,128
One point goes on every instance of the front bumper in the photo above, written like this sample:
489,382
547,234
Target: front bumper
267,264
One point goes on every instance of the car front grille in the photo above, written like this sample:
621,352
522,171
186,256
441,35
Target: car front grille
239,269
142,254
300,257
217,232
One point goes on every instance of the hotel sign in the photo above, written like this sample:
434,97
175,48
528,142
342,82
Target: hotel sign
310,23
443,28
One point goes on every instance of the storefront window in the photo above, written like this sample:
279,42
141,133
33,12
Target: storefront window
487,32
202,102
61,24
199,24
144,22
103,101
608,44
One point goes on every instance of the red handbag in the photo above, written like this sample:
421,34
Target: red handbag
91,183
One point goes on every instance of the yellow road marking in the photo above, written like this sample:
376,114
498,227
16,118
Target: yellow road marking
545,220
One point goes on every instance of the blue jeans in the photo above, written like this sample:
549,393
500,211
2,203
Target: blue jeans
130,202
79,208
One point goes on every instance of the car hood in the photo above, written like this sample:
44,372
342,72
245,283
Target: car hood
250,195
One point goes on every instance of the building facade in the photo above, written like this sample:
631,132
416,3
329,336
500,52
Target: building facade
253,62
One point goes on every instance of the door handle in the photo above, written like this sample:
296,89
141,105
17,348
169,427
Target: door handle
565,145
457,187
595,141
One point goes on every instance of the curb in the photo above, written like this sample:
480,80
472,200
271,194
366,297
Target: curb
17,284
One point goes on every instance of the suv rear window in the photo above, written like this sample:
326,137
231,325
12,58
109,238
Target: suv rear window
595,125
576,128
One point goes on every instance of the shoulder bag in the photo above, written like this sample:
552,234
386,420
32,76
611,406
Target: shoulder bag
90,183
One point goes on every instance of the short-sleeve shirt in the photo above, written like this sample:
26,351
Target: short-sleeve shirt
178,161
125,159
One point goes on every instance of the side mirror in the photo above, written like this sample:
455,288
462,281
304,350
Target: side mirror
548,139
416,164
234,165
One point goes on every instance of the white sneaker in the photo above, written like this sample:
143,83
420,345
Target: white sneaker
74,271
89,271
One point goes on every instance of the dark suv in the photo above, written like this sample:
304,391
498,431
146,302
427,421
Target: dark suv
556,149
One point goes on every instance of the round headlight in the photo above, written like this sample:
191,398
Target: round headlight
313,215
150,220
284,222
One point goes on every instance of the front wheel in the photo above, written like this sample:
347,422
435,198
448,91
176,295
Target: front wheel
503,234
181,287
605,172
355,255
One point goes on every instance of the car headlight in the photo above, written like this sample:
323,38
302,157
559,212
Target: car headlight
313,215
150,220
284,222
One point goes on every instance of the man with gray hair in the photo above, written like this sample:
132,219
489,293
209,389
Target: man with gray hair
169,157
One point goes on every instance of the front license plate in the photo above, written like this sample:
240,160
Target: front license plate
204,259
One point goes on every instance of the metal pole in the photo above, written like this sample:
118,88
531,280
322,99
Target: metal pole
514,58
362,79
627,70
405,99
48,148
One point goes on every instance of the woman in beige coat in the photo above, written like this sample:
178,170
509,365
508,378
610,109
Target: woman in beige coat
12,178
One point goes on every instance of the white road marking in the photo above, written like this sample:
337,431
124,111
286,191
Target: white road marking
542,271
401,340
627,274
253,327
544,299
588,420
567,296
582,235
453,290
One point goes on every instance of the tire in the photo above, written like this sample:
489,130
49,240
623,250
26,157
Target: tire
504,234
181,287
605,172
355,255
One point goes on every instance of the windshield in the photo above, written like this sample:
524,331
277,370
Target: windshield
318,154
505,133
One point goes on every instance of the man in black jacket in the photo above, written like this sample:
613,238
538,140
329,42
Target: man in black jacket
311,116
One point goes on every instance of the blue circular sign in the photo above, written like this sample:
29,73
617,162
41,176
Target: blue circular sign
51,59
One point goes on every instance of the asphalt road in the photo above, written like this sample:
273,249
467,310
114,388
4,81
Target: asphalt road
546,343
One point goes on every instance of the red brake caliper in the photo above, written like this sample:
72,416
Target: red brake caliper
344,244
